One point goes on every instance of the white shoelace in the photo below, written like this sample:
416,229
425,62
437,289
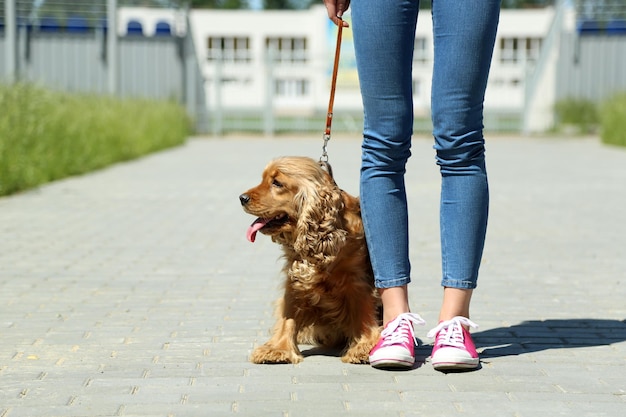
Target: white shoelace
393,337
451,331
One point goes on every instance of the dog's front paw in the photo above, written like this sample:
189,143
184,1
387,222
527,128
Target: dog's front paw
270,354
359,350
358,356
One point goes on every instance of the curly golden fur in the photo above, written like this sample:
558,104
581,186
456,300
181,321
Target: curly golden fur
329,297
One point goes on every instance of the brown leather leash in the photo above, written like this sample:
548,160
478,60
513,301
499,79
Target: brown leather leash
329,115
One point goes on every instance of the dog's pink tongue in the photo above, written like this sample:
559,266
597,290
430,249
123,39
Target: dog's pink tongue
255,227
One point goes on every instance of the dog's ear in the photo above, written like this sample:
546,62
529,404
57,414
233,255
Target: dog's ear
319,232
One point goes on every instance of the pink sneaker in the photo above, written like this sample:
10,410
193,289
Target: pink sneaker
453,347
396,346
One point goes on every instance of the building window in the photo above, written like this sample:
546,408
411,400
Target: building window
291,88
233,49
514,50
508,50
287,50
420,52
417,87
533,47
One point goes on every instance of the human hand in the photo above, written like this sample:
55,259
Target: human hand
335,9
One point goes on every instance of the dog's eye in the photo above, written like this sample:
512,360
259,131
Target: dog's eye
277,183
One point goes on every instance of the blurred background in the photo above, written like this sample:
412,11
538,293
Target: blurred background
264,66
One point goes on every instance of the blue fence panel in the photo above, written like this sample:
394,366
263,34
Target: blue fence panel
588,27
49,24
616,27
77,24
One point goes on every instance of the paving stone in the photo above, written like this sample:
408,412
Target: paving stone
132,291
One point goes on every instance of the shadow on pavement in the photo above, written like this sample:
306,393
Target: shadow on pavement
538,335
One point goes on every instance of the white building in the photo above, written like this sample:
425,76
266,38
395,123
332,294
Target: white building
304,41
255,60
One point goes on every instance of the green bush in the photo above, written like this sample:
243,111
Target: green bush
46,135
613,116
578,113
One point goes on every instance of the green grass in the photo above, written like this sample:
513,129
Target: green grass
585,116
613,117
46,135
578,113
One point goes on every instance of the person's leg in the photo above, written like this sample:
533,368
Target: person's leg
384,37
464,37
395,302
456,302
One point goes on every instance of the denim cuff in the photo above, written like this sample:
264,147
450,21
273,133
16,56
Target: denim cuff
460,284
390,283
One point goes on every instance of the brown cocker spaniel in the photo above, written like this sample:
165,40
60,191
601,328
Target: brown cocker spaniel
330,299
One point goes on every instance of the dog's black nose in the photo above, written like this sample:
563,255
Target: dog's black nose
244,199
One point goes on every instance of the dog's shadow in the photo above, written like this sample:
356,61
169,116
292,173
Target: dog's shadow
526,337
308,351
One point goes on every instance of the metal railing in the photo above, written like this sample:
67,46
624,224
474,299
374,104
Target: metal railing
68,45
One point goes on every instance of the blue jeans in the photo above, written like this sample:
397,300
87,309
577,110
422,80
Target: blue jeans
464,36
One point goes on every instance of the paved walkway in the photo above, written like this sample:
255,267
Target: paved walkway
132,291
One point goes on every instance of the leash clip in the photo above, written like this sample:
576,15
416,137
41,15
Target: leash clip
324,157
